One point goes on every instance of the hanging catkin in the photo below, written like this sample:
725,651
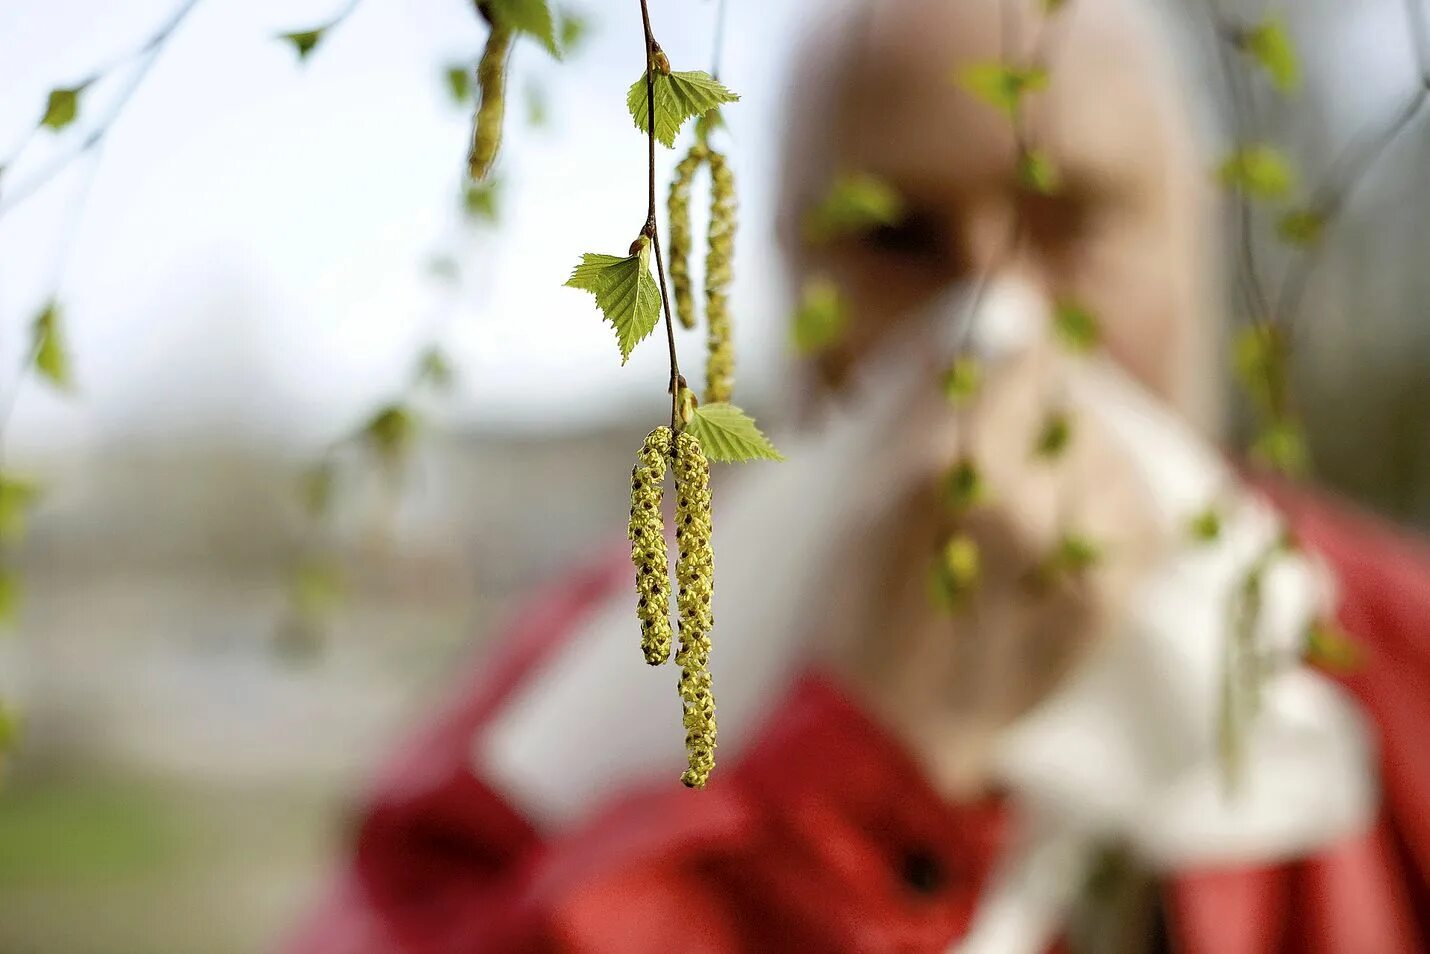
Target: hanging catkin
491,90
648,553
681,237
719,272
695,572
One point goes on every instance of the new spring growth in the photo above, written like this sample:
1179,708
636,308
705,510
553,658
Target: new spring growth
719,258
695,572
648,553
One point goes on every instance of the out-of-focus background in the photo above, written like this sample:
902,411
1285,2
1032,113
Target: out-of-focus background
260,254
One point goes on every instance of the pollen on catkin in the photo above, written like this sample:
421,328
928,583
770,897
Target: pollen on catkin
681,237
491,90
719,273
648,553
695,572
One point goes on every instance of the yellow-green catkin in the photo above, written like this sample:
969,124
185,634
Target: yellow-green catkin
681,237
491,89
695,572
719,273
648,553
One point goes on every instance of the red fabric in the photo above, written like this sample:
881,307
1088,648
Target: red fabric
824,836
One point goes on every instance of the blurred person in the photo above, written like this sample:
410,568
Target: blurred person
1045,766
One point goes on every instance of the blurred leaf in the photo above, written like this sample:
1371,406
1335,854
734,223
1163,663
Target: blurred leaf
47,343
708,123
529,16
9,613
957,572
1260,171
1075,553
434,369
17,497
963,487
1075,327
444,267
727,434
61,108
316,588
1329,647
821,319
1270,46
390,431
1001,86
304,41
538,114
1259,357
855,202
479,201
1281,446
572,29
1301,227
678,97
963,379
315,488
1053,6
1205,527
625,292
10,721
1037,173
1054,435
459,83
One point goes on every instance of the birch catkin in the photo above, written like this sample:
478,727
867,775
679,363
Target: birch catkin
491,88
719,272
648,553
681,237
695,572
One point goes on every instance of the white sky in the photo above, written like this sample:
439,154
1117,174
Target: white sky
253,253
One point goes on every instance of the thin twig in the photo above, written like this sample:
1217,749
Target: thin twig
651,229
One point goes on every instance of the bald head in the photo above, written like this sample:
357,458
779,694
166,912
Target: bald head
1123,235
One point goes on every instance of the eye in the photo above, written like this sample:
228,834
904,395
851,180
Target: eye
918,236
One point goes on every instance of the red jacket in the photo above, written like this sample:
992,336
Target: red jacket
824,836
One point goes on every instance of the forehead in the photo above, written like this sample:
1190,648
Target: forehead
898,110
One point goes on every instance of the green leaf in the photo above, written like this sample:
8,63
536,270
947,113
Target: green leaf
390,431
304,41
1281,446
1270,46
957,571
1075,327
1259,357
964,487
10,721
538,114
1328,647
17,497
678,97
47,343
855,202
9,612
727,434
1075,553
1001,86
315,488
1260,171
433,368
459,82
821,319
625,291
528,16
61,108
963,379
1037,173
479,200
573,29
316,587
1054,436
1301,227
1205,527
